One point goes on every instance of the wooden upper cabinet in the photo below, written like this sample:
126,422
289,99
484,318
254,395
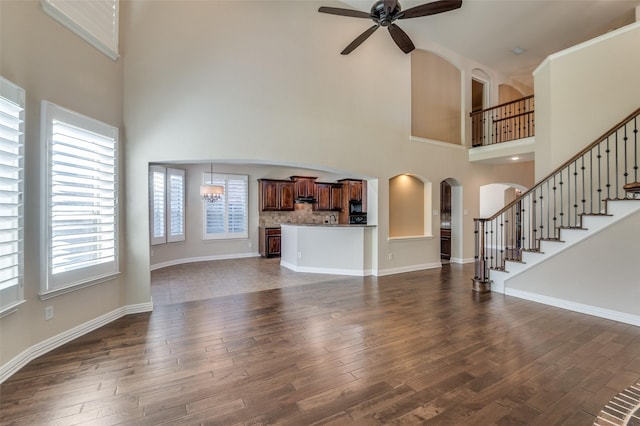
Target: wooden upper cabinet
305,186
287,195
276,195
336,197
328,196
354,190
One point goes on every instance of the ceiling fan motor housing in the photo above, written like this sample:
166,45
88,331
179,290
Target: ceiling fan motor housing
381,16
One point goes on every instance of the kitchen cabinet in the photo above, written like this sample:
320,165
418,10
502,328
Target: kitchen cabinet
269,241
445,244
353,189
328,196
276,195
304,187
445,197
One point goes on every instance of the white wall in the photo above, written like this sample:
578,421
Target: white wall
600,272
582,92
491,198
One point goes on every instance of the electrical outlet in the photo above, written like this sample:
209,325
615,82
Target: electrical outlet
390,256
48,313
299,255
250,244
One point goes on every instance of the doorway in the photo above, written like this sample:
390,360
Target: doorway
445,222
479,102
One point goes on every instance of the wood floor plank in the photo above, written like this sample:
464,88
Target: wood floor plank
405,349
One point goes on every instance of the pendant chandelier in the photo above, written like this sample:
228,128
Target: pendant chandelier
211,193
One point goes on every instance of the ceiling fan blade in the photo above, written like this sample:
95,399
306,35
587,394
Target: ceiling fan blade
359,40
430,9
401,38
345,12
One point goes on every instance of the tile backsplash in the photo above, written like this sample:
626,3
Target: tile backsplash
303,213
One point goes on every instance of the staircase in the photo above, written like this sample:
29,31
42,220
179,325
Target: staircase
593,191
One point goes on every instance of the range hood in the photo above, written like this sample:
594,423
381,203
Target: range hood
305,200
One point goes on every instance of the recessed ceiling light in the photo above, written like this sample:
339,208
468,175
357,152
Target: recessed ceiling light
518,50
515,158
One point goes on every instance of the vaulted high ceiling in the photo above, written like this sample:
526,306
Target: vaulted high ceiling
487,31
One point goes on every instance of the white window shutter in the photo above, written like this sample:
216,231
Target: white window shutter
176,204
96,21
227,218
158,204
82,210
12,101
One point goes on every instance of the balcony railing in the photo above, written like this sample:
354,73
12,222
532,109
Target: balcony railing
503,123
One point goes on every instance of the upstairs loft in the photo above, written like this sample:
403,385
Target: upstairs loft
504,132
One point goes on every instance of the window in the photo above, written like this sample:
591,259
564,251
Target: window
95,21
11,189
167,195
227,217
81,214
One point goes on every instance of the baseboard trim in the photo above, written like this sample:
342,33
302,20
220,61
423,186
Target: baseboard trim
41,348
202,259
462,261
410,268
330,271
576,307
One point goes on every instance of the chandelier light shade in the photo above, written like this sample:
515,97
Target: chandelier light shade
211,193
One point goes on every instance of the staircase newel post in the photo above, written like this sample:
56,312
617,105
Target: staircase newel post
481,281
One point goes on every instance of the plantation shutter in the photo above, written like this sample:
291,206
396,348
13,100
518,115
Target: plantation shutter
157,180
82,198
12,101
227,217
96,21
176,200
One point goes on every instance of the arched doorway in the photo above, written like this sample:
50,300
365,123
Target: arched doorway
451,221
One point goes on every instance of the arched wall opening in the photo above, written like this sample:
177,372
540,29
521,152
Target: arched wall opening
453,221
495,196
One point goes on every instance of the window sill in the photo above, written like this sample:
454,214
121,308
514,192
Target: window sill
50,294
11,309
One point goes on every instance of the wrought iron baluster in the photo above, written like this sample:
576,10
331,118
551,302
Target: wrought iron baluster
555,215
608,152
626,171
599,178
561,200
635,149
616,165
583,186
575,192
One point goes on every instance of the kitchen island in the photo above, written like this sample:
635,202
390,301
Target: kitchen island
327,249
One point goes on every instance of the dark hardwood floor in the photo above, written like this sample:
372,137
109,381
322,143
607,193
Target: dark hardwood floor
413,348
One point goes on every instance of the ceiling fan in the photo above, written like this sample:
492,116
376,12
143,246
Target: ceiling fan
384,13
